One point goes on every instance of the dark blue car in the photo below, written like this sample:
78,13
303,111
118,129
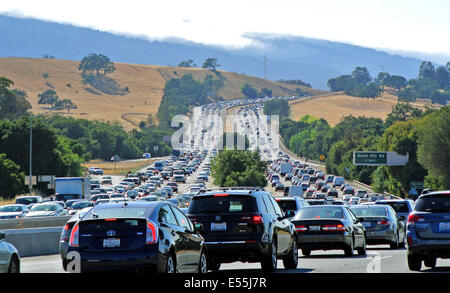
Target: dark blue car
428,230
154,236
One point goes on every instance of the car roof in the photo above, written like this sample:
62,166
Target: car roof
443,192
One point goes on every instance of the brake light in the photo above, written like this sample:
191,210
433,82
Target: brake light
415,218
221,194
151,234
255,220
74,236
383,222
110,220
65,233
300,228
337,228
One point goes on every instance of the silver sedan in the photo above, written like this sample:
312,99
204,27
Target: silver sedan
9,256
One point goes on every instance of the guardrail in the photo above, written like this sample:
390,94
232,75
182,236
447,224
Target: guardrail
35,241
39,222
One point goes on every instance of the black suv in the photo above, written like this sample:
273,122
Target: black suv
244,224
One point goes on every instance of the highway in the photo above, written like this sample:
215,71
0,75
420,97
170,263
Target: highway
379,258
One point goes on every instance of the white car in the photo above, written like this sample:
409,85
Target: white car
9,256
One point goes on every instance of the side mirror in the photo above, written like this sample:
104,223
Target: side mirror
198,227
2,235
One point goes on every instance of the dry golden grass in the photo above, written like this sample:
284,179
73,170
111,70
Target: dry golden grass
119,168
145,82
334,106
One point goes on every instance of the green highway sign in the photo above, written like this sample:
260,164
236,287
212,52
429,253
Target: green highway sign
367,158
377,158
416,185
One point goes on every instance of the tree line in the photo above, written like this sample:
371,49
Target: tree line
420,133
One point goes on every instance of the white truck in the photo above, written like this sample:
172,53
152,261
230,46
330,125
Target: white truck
72,188
285,168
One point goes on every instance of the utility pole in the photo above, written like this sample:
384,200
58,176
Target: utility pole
265,60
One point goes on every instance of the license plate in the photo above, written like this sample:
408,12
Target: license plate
314,228
219,226
111,242
367,224
444,227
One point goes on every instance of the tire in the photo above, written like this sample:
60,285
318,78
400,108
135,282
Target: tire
203,263
430,262
414,262
14,265
349,251
362,250
269,263
214,265
306,252
395,245
170,265
290,261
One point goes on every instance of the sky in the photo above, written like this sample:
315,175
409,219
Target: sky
410,27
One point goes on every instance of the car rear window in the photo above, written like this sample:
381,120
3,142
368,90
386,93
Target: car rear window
26,200
321,212
222,204
370,212
399,207
433,203
118,212
287,205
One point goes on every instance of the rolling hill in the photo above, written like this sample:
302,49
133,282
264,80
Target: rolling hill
145,82
335,105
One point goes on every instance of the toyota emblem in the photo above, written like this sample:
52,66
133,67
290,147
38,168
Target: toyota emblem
111,233
218,218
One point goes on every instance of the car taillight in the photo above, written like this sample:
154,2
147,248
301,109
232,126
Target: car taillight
415,218
255,220
152,233
337,228
74,236
300,228
65,233
383,222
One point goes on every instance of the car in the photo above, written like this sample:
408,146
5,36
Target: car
381,224
70,202
315,202
288,177
96,197
65,234
106,180
349,190
154,236
338,181
354,200
329,227
95,171
244,224
27,200
46,209
204,178
77,206
181,178
173,185
401,207
101,201
291,205
13,211
428,230
333,192
293,190
9,256
279,186
149,198
361,193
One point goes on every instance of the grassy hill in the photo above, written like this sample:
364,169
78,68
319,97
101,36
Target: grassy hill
333,106
145,84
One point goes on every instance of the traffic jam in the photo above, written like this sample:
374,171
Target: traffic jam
170,217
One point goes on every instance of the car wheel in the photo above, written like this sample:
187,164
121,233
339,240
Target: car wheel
362,250
394,245
203,264
214,265
170,265
306,252
269,262
14,265
350,249
291,260
430,262
414,262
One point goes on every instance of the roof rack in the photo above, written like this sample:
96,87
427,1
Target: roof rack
249,188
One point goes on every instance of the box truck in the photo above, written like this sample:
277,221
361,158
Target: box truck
285,168
72,188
